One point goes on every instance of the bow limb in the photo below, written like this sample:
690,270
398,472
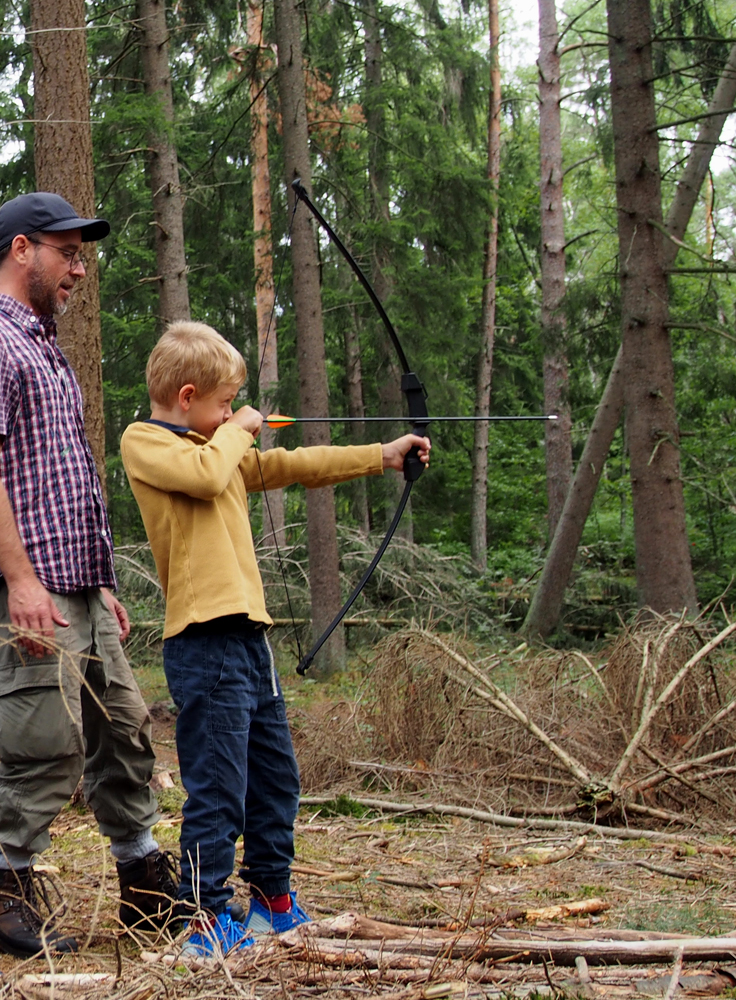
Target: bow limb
416,396
306,661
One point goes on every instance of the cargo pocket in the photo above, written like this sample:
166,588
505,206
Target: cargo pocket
37,720
40,713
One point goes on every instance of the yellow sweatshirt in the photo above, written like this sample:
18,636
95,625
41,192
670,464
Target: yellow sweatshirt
193,499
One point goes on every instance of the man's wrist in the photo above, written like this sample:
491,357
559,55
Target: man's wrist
19,575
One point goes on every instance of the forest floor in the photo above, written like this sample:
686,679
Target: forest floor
419,906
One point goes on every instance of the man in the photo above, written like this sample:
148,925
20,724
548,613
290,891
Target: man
69,705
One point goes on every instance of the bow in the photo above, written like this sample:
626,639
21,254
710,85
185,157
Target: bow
416,396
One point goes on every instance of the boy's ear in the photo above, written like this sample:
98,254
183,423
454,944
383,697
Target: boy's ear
186,393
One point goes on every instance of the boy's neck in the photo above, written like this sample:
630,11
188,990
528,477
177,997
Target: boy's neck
170,414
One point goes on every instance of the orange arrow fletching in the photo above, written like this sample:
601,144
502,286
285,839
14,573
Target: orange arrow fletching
276,420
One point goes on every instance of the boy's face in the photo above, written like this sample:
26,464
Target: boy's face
207,413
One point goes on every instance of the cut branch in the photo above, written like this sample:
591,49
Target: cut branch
304,945
500,700
649,714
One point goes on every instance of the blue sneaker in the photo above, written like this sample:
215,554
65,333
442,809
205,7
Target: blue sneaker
217,937
261,920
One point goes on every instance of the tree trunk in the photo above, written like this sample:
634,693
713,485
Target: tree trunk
479,495
547,601
163,167
356,408
388,375
321,524
353,381
64,166
698,162
558,434
663,569
268,371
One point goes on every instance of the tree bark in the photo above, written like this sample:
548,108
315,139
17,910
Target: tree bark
558,433
268,371
544,610
163,167
64,166
547,601
321,523
388,375
479,495
698,162
356,408
663,568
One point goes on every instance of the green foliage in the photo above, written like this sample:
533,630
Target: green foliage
343,805
693,43
430,151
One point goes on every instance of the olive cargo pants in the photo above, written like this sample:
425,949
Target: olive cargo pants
77,711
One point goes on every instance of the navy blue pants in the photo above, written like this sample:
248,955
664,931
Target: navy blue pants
236,759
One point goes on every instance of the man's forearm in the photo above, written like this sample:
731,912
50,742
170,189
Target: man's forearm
31,607
15,565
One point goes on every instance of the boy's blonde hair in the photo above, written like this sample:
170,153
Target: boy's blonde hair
191,353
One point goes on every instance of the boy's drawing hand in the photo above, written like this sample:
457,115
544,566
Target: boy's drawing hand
395,451
249,419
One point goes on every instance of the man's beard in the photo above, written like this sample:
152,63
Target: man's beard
43,292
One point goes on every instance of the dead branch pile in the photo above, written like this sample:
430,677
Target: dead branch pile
326,738
648,729
353,951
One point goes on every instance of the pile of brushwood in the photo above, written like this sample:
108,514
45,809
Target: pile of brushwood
645,731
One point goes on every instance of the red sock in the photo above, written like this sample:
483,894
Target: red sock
277,904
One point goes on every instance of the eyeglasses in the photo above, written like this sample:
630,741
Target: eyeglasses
73,257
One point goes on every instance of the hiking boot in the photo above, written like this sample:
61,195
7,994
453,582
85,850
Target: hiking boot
216,937
148,890
262,920
24,931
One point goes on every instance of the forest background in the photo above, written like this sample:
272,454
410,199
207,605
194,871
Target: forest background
548,221
402,164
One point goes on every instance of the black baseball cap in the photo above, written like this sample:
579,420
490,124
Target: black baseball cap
43,212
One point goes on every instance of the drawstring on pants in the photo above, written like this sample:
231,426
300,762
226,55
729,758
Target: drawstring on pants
272,663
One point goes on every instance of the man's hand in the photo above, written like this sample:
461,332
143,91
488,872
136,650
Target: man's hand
32,609
119,611
395,451
249,419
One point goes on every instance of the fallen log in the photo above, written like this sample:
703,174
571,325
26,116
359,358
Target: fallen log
518,823
602,952
304,945
558,932
370,955
561,910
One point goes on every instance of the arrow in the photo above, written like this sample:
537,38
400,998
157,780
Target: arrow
278,420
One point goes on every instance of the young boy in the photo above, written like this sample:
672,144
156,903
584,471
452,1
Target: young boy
190,468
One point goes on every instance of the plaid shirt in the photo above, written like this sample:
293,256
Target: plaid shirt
46,463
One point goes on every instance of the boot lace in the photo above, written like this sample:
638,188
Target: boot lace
168,873
38,899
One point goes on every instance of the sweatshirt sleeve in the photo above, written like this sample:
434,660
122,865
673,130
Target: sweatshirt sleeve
312,467
176,463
